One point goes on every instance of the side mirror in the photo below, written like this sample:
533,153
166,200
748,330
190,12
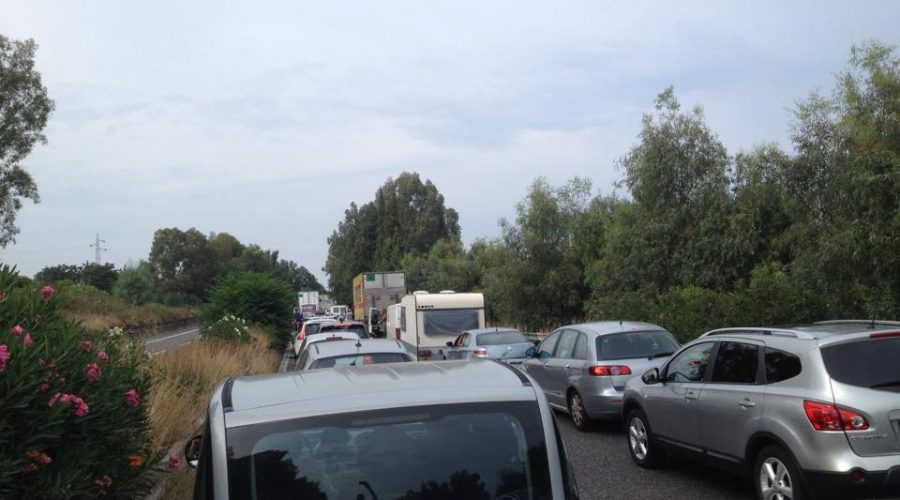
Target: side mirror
449,344
192,450
530,352
651,376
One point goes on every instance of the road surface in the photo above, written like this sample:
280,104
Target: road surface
171,340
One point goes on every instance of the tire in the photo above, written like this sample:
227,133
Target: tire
776,476
578,413
644,452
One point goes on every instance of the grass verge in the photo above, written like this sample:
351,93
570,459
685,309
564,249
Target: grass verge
100,311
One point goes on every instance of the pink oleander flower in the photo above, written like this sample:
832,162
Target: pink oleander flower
132,398
81,408
92,370
102,356
174,462
27,339
37,457
45,386
53,399
86,346
4,357
103,484
61,382
65,398
47,292
17,330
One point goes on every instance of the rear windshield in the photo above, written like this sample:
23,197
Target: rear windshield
500,338
357,329
483,450
869,363
313,328
449,322
636,345
360,359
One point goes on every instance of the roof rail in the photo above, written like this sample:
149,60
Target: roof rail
872,322
782,332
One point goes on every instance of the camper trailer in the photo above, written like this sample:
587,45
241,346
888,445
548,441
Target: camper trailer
429,320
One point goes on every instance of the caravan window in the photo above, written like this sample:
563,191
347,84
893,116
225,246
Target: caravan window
449,322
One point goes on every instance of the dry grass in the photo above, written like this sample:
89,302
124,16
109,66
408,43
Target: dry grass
183,381
98,310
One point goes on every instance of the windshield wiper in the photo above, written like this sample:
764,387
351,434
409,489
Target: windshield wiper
661,355
885,384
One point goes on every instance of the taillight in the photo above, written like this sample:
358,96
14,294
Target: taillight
300,336
609,370
425,353
480,351
884,335
828,417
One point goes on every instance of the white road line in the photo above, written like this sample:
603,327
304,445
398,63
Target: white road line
172,336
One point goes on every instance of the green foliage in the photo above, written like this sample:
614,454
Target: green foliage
55,274
135,284
24,109
63,432
228,327
446,267
256,297
99,276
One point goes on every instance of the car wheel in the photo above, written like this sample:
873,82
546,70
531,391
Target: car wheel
640,441
777,478
579,415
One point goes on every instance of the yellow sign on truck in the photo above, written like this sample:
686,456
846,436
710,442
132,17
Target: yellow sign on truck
376,291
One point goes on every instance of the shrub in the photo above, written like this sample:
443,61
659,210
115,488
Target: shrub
73,423
229,327
256,297
135,284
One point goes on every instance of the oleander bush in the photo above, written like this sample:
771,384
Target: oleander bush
73,423
228,327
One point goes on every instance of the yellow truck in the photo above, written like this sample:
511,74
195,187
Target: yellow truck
374,292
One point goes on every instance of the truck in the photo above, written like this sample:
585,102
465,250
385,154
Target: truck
427,321
373,292
308,302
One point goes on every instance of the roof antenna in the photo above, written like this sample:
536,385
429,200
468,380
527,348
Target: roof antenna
358,345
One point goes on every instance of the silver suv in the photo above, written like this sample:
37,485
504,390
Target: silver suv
809,412
452,429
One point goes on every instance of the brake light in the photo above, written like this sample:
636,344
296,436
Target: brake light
609,371
884,335
480,351
828,417
425,353
300,336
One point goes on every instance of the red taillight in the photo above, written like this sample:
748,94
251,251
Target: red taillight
609,370
480,351
884,335
300,336
828,417
425,353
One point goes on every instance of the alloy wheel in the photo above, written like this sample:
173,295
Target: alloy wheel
775,480
577,410
637,438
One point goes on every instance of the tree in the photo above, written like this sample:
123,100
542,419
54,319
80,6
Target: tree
53,274
135,283
24,109
446,267
99,276
182,262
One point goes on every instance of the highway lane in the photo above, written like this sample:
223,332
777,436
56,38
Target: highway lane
604,470
171,340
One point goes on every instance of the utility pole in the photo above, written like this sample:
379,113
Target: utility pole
98,247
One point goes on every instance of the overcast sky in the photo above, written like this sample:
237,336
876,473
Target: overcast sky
266,119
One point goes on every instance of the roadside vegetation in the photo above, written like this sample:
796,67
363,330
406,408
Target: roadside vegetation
99,311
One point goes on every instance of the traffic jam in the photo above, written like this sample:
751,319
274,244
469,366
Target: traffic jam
414,396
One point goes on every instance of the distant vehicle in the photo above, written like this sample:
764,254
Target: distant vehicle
308,302
338,312
324,337
810,411
373,292
348,326
473,430
429,320
352,353
502,344
309,327
583,368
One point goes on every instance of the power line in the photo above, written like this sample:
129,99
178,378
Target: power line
98,247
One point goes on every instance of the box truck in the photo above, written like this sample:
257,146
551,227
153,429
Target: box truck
374,292
308,302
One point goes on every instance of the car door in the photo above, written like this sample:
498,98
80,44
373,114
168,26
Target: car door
671,407
558,368
731,402
537,366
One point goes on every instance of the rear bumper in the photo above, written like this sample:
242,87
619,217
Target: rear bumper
606,404
840,486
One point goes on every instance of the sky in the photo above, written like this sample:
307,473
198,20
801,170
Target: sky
267,119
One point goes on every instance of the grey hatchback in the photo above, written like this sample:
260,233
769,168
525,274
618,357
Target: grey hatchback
583,368
451,429
808,412
504,344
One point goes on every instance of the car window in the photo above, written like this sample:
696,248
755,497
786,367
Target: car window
567,344
690,365
475,450
629,345
360,359
780,365
736,363
357,329
501,338
467,339
458,342
869,363
312,328
580,351
545,350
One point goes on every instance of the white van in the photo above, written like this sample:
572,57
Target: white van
429,320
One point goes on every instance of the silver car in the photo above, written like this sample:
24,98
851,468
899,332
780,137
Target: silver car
583,368
339,352
504,344
451,429
809,412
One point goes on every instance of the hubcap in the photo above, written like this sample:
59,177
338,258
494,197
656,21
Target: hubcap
637,438
577,410
775,480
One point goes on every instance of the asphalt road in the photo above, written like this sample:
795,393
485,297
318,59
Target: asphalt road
167,341
604,470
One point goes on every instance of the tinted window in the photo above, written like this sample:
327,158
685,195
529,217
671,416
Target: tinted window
482,450
690,365
357,329
449,322
635,345
736,363
580,347
780,365
566,345
870,363
360,359
500,338
545,350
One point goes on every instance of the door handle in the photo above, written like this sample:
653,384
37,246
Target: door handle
746,404
690,395
567,367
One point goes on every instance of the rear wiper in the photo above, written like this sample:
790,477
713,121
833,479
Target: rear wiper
661,355
885,384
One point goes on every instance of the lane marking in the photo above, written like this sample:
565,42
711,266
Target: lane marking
172,336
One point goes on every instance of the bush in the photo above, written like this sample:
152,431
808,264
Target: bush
258,298
135,284
73,423
229,327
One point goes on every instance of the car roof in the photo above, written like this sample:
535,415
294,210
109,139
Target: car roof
264,398
338,334
608,327
349,346
479,331
827,331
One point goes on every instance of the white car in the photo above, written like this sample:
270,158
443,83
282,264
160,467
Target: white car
309,327
323,337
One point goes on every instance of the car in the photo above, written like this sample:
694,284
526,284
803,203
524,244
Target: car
583,368
450,429
309,327
504,344
356,327
353,353
325,337
811,411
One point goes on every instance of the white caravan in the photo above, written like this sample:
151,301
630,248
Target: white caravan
428,321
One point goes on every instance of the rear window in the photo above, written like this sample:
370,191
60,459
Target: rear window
312,328
869,363
357,329
449,322
483,450
636,345
500,338
360,359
